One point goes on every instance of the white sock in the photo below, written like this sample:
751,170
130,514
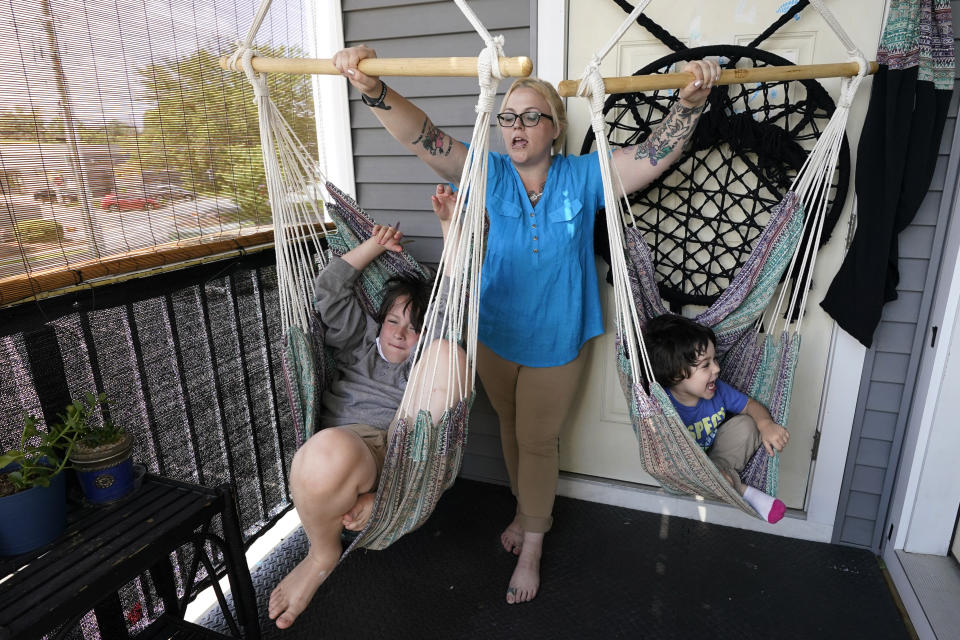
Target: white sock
769,507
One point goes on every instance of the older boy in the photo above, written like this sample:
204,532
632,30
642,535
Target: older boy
683,355
335,474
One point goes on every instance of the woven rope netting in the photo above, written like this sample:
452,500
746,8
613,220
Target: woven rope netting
702,218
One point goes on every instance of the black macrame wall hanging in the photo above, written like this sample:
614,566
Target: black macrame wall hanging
702,217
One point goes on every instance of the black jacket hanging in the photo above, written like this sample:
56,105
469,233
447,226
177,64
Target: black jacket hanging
896,158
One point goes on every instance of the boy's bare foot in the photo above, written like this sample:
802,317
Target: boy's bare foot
512,538
525,580
296,590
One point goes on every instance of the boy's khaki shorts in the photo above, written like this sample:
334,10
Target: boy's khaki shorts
376,441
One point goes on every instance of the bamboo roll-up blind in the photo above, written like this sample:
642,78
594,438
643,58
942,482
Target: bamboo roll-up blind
121,137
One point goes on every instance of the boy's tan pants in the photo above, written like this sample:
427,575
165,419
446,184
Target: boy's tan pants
532,403
737,440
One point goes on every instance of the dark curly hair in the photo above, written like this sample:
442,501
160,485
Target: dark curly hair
417,293
674,344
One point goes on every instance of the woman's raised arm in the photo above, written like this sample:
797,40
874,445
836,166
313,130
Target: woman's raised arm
641,164
406,122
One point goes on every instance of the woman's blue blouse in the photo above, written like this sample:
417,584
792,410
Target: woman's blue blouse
539,301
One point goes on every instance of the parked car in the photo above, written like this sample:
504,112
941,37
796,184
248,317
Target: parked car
45,195
54,195
172,193
122,202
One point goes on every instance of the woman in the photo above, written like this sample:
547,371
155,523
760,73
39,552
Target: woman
539,300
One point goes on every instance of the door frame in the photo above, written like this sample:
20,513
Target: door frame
926,491
330,96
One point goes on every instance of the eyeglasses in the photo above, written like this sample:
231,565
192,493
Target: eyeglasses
527,118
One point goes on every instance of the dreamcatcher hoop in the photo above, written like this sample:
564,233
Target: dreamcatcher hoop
702,217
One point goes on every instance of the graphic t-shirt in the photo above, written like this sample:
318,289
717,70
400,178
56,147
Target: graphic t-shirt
705,418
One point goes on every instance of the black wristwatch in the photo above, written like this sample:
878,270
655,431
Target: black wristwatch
378,103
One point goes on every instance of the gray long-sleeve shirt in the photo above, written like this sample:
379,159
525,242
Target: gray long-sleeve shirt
367,389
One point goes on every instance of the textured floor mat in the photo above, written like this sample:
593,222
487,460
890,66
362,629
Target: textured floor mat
607,572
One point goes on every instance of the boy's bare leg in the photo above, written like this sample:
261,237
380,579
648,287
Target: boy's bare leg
441,377
328,473
525,580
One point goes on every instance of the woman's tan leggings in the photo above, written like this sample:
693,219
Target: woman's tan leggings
532,403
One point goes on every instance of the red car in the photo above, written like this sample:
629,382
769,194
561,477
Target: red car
124,203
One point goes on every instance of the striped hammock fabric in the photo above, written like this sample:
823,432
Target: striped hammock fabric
759,365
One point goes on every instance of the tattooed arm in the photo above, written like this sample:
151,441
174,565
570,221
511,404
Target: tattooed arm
641,164
406,122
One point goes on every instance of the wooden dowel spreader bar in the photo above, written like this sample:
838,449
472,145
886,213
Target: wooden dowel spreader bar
654,81
519,67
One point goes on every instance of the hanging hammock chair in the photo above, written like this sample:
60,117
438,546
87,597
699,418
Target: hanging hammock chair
424,450
756,314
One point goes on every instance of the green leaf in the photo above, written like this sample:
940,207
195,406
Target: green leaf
9,458
29,428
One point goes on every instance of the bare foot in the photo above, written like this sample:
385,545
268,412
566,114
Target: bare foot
356,519
296,590
512,538
525,580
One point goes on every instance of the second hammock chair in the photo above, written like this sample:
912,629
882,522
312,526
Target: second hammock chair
424,450
758,341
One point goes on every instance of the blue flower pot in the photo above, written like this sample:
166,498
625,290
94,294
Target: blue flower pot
32,518
105,473
108,484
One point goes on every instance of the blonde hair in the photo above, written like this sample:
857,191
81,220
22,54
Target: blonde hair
554,102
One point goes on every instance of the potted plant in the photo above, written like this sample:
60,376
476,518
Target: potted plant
101,456
33,505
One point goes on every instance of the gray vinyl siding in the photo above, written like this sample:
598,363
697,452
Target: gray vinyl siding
891,365
392,184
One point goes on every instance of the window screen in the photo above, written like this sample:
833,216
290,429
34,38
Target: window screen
121,136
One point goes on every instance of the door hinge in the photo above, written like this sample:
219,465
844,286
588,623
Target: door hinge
816,446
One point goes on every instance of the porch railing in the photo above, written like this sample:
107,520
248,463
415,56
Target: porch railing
191,363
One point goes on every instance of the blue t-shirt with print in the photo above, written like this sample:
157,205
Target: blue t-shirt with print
705,418
539,298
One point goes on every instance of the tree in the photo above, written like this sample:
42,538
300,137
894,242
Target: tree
28,124
203,123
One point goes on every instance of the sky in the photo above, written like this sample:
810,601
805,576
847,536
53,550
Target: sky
102,42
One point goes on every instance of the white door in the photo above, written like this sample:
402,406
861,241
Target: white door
598,440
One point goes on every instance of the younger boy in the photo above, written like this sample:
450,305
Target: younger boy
683,355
